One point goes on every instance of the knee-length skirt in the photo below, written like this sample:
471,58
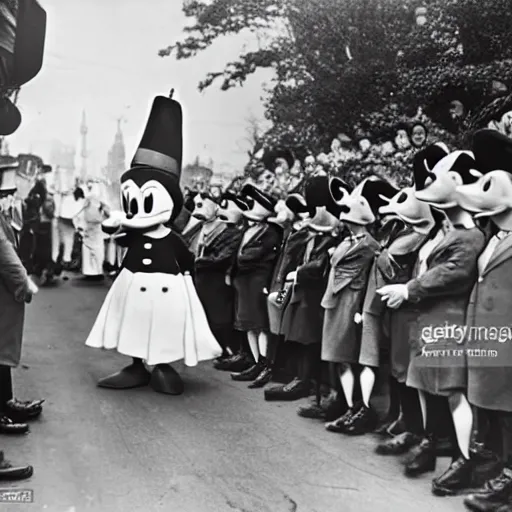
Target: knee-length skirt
251,313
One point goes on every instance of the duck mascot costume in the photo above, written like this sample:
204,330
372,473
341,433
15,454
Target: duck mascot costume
152,312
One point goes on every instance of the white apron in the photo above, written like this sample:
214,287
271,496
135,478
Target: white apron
141,320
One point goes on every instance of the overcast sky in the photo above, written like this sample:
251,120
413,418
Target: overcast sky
102,56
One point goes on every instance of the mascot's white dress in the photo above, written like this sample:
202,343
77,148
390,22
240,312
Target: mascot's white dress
152,312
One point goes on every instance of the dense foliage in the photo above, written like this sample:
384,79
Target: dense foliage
360,67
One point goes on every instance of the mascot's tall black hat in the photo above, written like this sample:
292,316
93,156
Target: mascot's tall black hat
160,152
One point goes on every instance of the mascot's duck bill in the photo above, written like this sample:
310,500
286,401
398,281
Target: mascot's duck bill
152,312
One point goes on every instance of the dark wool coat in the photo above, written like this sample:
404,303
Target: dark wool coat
489,320
393,265
14,292
440,298
344,296
216,258
290,257
252,274
303,317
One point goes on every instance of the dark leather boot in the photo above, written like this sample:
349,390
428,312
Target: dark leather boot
248,375
362,422
21,412
494,494
9,427
423,458
398,445
487,465
165,379
133,376
456,479
338,426
295,390
8,472
238,363
264,376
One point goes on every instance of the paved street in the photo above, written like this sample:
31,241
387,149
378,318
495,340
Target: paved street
218,448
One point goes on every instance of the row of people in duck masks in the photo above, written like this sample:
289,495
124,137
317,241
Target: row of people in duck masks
415,279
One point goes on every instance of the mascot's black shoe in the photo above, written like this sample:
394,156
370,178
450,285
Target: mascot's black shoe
9,472
165,379
133,376
21,412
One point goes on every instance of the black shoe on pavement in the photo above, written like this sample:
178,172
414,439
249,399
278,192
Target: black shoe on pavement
398,445
8,472
457,478
262,379
338,426
494,494
7,426
362,422
22,411
295,390
487,465
423,460
248,375
236,364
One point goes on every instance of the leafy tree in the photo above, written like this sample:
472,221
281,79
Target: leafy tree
339,63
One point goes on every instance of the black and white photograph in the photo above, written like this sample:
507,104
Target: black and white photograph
255,255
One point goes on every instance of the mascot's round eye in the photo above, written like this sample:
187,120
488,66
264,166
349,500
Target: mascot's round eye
148,203
487,185
134,207
224,204
402,198
125,204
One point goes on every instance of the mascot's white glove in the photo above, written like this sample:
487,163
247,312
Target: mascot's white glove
394,295
114,222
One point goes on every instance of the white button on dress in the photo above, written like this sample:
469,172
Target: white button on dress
148,246
147,261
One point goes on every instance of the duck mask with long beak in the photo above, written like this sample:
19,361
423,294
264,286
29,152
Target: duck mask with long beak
361,206
231,208
407,207
263,204
205,208
437,185
491,195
